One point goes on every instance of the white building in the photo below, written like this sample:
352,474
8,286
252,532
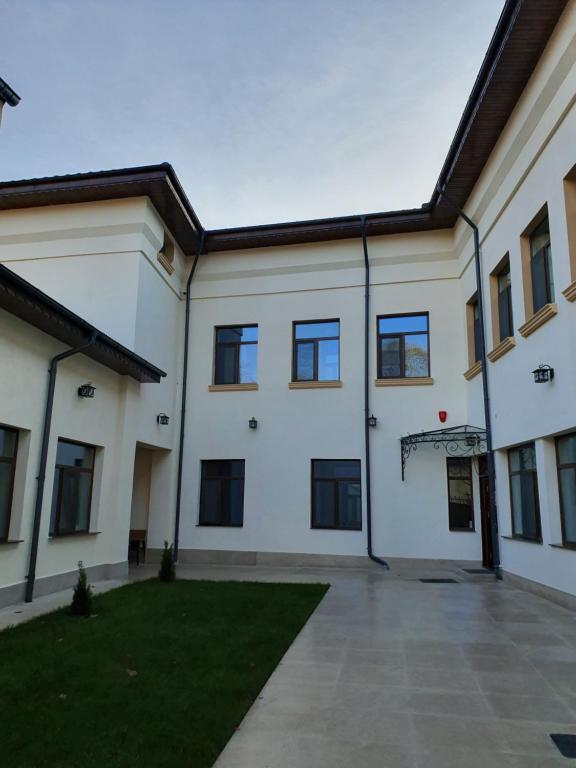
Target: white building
274,445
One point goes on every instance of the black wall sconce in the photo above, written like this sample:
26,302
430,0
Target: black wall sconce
252,423
542,374
86,390
163,420
372,420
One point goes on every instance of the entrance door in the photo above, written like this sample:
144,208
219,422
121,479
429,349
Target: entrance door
487,557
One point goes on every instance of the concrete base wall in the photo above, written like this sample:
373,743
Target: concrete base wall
549,593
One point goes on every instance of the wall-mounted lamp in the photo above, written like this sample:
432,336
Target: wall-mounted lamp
372,420
252,423
86,390
163,419
542,374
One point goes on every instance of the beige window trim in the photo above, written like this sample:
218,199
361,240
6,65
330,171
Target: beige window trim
473,371
314,384
570,292
470,304
525,261
542,316
500,349
415,381
249,387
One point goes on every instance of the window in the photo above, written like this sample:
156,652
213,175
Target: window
222,493
236,354
316,351
403,346
8,448
524,493
566,459
336,494
460,505
541,266
505,320
72,493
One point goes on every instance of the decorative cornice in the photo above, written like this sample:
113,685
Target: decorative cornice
544,314
570,292
415,381
165,263
500,349
473,371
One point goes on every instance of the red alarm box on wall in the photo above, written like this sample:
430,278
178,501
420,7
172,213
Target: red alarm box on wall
442,415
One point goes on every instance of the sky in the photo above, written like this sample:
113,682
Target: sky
269,110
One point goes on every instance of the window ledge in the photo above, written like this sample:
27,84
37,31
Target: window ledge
8,542
474,370
165,263
500,349
542,316
570,292
314,384
569,547
522,539
233,387
415,381
79,535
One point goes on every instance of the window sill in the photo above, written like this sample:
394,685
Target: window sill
165,263
79,535
500,349
333,528
219,525
233,387
9,542
569,547
416,381
542,316
570,292
473,371
521,538
315,384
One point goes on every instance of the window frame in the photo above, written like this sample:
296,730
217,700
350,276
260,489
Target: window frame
559,467
5,535
220,524
314,340
237,345
547,263
468,461
534,476
509,315
334,481
55,532
402,351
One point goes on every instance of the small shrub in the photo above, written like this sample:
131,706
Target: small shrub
167,570
82,598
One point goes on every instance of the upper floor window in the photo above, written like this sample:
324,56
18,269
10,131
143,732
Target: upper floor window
72,493
474,331
8,448
566,457
403,346
524,492
222,493
336,494
316,354
541,266
236,354
460,506
504,285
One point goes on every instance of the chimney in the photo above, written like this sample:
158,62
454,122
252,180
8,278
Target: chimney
7,96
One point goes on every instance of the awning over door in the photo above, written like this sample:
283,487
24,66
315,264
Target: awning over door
456,441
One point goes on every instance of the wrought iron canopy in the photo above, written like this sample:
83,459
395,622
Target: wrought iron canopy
456,441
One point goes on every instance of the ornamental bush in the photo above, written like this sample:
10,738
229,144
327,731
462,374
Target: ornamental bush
82,597
167,570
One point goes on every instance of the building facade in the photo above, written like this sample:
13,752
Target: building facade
301,344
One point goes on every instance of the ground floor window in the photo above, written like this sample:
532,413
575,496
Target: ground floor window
460,504
336,494
524,492
72,493
222,493
8,447
566,456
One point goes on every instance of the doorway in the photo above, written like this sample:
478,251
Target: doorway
486,522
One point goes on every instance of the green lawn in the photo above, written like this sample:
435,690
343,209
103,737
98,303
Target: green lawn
160,676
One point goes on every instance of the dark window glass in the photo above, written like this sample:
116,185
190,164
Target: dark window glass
316,351
541,266
476,330
8,447
460,505
336,494
505,319
566,455
222,493
524,492
403,346
72,491
236,355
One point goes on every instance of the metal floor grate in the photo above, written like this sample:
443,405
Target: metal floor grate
565,742
439,581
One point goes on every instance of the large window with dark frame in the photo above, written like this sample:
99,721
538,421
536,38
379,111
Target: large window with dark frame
316,355
524,493
566,461
222,493
8,450
541,266
236,355
460,502
336,494
72,492
403,348
505,319
476,329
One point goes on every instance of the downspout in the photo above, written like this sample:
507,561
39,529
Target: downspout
52,371
371,554
485,389
184,392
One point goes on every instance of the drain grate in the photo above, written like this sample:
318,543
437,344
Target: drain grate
565,742
483,571
439,581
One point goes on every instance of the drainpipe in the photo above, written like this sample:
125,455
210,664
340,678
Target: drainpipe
184,391
371,555
52,371
485,389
